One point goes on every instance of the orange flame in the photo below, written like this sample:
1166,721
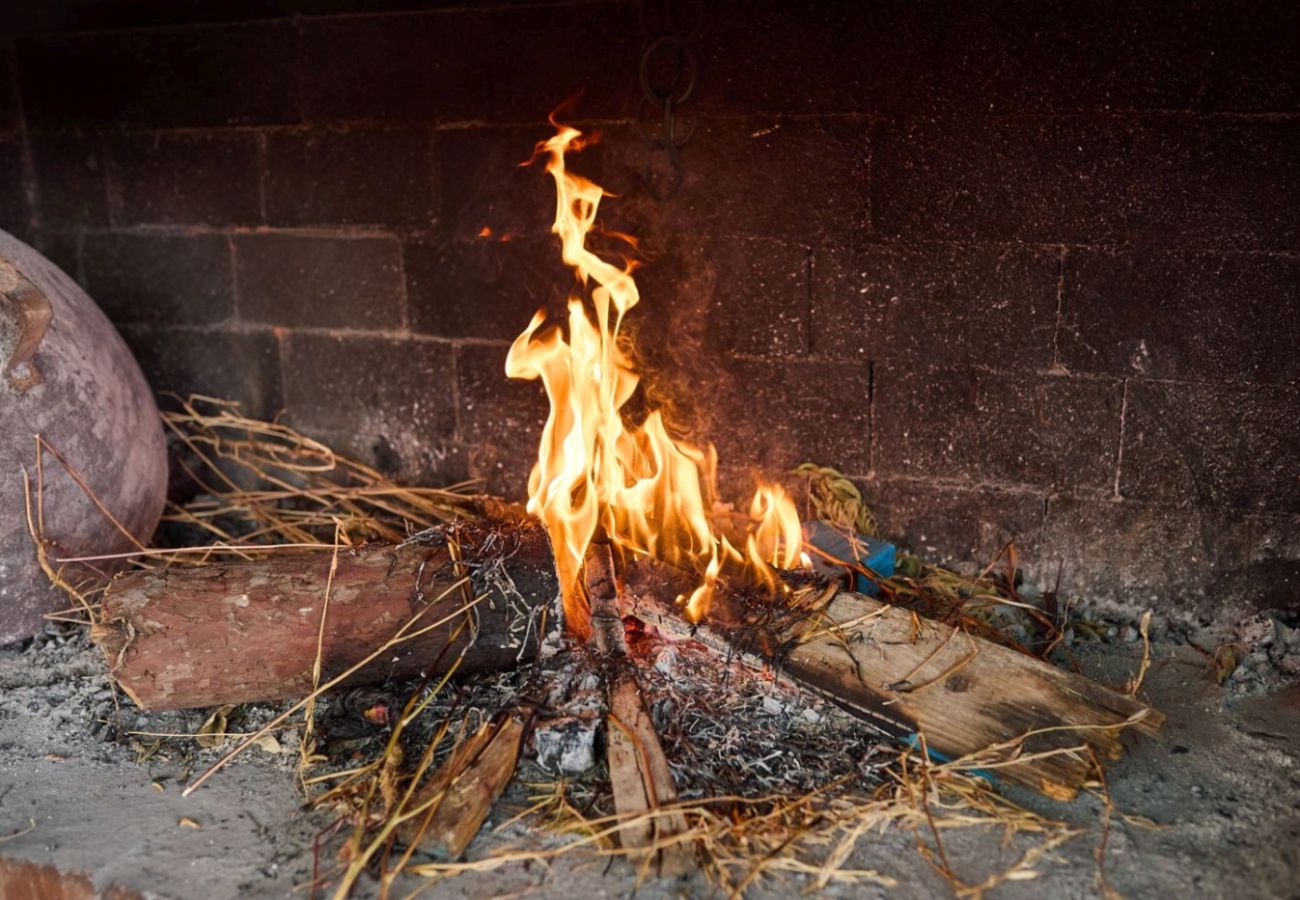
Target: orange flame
649,492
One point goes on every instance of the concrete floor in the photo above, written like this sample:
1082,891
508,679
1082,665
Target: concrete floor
1223,784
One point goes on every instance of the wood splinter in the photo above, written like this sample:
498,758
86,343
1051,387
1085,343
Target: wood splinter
461,793
642,782
638,769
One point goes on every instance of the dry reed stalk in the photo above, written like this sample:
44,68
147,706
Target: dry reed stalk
31,826
302,490
1135,683
266,488
307,745
749,839
374,832
812,836
42,545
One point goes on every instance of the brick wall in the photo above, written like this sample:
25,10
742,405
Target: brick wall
1023,269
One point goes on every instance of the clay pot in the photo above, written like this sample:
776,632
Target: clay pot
66,375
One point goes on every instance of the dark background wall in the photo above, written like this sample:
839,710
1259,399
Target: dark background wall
1022,269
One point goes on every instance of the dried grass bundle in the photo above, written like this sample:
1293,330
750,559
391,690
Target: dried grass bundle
264,482
741,841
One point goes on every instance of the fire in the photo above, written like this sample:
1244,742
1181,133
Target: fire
648,492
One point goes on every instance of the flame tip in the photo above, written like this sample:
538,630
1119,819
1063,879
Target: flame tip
649,491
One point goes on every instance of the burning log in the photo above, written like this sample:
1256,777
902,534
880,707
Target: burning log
474,597
926,683
460,794
602,592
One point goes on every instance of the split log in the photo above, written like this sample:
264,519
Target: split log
964,693
233,632
460,794
638,769
642,783
915,679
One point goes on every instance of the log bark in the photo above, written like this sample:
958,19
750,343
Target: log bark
234,632
917,680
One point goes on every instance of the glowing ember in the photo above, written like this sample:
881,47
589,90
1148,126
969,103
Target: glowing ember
649,492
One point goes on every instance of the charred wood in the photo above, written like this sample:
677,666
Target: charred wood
923,682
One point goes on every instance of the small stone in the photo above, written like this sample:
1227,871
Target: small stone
565,746
811,716
1286,635
1018,633
773,706
666,661
1256,631
1129,635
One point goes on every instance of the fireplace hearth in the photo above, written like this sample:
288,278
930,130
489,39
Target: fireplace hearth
841,448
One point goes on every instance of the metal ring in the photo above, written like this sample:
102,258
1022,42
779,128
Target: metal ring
685,63
680,141
646,125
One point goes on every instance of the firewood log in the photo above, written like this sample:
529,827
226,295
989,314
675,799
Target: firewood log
963,693
233,632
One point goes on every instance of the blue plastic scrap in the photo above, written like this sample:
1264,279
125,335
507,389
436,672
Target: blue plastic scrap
842,544
913,742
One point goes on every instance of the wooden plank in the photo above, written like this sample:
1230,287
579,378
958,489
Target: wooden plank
913,678
642,782
964,693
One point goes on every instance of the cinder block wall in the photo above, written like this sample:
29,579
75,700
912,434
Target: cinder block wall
1022,269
